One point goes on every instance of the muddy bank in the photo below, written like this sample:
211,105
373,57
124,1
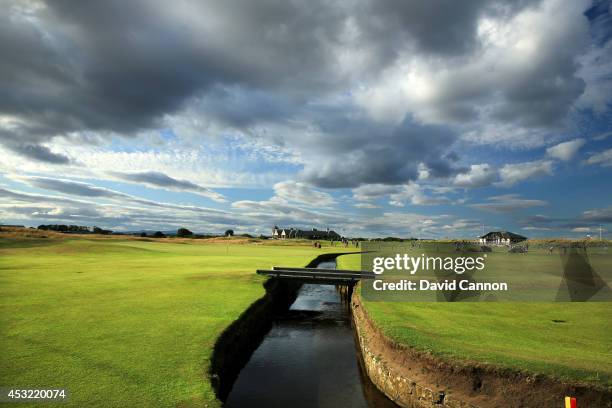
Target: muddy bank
418,380
239,340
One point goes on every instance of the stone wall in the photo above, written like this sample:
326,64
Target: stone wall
404,391
414,379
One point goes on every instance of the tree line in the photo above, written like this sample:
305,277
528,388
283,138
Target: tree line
80,229
74,229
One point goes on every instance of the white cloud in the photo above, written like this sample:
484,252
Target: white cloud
595,68
413,193
352,103
479,175
536,229
511,174
365,205
119,212
603,158
298,192
399,196
462,224
600,215
156,179
106,196
283,213
603,136
508,203
583,229
565,151
207,167
522,78
368,192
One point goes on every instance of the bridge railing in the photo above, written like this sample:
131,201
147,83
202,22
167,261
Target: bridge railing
311,274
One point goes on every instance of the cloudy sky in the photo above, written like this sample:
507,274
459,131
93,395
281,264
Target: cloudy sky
372,117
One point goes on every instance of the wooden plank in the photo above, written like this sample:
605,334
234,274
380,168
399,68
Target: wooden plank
317,273
339,271
317,279
321,281
293,268
290,274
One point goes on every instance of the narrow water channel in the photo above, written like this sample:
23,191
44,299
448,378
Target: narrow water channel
308,359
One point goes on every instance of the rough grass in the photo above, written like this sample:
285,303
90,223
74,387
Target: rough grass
522,336
125,322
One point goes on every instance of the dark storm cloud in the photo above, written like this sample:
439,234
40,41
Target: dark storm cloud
536,98
241,107
86,68
439,26
119,66
38,152
444,166
362,152
268,68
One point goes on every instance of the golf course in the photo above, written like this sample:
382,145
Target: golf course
567,340
124,322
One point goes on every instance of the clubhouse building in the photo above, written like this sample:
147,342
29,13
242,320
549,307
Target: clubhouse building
501,238
288,233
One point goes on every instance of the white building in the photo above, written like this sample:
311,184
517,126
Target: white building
501,238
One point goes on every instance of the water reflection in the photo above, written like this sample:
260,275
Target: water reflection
308,359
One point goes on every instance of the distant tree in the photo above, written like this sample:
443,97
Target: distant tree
229,233
159,234
64,228
143,234
183,232
98,230
392,239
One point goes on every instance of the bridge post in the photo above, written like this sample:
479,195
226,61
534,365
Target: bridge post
346,291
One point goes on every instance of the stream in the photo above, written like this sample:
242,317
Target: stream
308,359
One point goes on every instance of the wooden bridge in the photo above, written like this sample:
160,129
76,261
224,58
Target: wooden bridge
318,275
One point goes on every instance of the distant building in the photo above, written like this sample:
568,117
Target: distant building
501,238
287,233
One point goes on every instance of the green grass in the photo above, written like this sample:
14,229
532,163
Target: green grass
125,323
518,335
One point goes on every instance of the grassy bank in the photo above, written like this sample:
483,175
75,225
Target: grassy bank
566,340
125,322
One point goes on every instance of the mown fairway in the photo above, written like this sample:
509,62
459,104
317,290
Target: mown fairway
125,323
524,336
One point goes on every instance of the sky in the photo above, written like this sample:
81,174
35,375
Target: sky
370,117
